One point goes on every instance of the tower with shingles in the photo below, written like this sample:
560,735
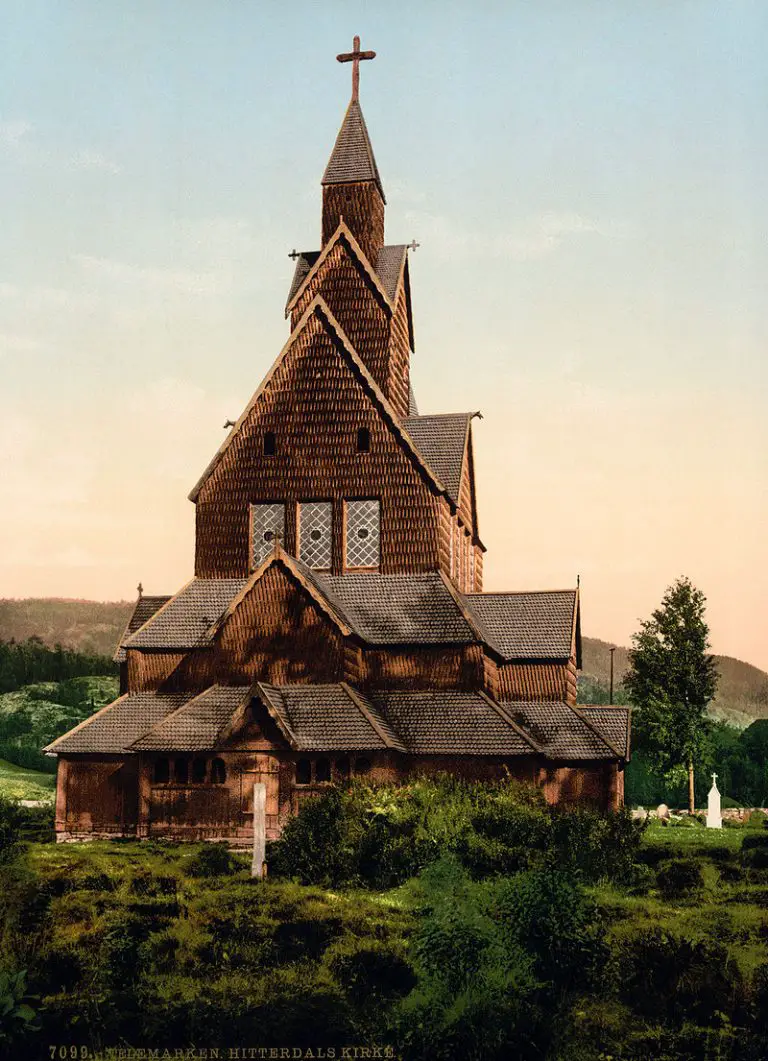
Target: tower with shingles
336,622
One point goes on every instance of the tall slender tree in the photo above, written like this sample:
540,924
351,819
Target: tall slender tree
672,677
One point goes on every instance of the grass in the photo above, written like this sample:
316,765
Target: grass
19,783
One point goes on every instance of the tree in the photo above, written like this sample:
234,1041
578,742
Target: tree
672,678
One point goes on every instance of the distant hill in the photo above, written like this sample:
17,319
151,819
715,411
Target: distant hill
742,693
95,626
86,626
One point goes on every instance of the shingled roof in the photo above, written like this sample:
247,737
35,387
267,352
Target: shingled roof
330,718
612,722
144,609
197,723
352,157
398,609
451,723
559,730
388,267
528,625
185,620
113,729
442,440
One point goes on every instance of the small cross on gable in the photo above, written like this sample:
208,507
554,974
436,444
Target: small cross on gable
355,57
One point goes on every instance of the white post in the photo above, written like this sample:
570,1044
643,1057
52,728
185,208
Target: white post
714,817
259,829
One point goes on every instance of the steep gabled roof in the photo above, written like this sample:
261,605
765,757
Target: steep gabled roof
186,619
197,723
352,157
144,609
113,729
388,268
528,625
442,439
318,309
344,237
330,718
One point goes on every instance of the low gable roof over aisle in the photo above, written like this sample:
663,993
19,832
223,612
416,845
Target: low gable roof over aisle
418,609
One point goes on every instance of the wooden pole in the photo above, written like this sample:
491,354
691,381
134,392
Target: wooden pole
258,866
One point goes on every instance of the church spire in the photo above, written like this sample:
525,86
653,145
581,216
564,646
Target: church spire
352,187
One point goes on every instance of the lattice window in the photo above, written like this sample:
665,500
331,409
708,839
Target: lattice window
363,533
315,523
267,523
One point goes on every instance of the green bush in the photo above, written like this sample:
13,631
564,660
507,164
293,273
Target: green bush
371,970
381,835
679,878
548,915
213,860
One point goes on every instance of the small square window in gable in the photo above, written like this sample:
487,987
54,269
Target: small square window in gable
363,533
315,533
267,523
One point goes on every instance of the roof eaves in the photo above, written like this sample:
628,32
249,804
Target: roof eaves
276,714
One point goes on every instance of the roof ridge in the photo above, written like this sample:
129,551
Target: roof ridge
342,231
590,725
319,308
518,592
266,689
356,699
154,615
507,718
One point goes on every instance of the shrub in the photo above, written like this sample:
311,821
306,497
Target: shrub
315,846
679,878
548,915
213,860
757,820
666,976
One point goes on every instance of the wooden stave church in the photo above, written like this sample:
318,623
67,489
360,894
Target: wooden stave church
335,624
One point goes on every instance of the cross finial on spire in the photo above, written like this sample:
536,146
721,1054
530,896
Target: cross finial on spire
413,245
355,57
140,589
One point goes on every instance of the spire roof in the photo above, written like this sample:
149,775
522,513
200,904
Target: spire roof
352,156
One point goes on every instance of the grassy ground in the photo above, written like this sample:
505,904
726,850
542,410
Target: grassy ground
18,783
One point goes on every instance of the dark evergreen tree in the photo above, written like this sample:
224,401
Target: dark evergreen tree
672,677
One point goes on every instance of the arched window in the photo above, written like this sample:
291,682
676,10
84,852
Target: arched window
162,772
323,770
303,772
363,440
341,767
362,766
270,444
218,772
181,771
199,771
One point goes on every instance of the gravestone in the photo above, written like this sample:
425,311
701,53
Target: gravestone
714,817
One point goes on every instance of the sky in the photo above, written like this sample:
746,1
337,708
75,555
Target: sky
587,184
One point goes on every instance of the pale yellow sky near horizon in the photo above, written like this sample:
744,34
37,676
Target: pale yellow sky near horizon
592,275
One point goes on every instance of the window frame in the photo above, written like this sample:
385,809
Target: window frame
328,502
253,506
346,537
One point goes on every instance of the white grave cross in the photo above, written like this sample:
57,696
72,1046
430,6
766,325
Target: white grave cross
714,817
